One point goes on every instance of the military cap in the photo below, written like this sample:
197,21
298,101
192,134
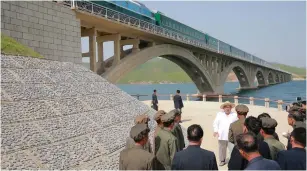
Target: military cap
137,129
241,108
159,114
168,117
175,112
268,122
141,119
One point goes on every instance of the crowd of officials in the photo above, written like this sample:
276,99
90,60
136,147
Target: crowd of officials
256,145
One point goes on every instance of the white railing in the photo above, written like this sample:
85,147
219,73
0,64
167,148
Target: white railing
113,15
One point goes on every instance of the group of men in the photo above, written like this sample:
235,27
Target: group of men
168,139
256,144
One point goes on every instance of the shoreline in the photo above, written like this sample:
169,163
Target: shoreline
152,83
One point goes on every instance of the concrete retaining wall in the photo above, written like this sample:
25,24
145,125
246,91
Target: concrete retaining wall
47,27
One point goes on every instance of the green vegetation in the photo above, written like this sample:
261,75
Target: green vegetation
162,70
301,72
12,47
156,70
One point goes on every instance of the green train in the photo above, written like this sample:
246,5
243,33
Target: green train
140,11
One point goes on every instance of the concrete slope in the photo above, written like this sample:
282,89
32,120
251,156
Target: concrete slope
59,115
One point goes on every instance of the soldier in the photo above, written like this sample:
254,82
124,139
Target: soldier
165,143
157,118
141,119
267,130
142,159
263,115
236,127
177,131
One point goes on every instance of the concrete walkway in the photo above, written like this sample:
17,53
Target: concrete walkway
203,113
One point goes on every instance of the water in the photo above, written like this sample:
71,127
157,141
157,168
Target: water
285,91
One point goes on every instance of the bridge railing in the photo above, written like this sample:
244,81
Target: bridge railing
113,15
220,98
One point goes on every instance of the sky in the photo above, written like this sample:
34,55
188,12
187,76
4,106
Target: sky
274,31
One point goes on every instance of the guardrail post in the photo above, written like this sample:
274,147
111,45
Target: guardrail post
251,101
188,97
204,98
171,96
220,99
236,100
279,105
267,102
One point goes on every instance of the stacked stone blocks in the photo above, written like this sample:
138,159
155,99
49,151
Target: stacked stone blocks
59,115
49,28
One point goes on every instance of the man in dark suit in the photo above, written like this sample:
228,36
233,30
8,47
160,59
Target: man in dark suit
237,162
295,158
194,157
178,101
154,100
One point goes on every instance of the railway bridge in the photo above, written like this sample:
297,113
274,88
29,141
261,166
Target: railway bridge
207,67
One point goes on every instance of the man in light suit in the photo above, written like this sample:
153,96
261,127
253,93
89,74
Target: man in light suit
194,157
178,101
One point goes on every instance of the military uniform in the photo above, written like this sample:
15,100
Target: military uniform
274,145
236,127
177,131
165,145
141,119
141,160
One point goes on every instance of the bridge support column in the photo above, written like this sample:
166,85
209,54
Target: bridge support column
100,64
92,48
116,38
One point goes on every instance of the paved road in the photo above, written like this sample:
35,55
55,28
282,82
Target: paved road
203,113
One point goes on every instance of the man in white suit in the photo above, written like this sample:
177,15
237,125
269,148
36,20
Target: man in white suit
221,125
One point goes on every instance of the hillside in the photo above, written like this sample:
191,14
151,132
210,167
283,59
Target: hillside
161,70
296,71
10,46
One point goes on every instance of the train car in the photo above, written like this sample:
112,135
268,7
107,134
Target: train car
224,47
168,23
130,8
211,42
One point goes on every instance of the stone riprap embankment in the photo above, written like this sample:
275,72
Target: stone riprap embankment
59,115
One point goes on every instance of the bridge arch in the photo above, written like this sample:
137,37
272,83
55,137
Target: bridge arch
271,79
182,57
240,72
259,74
277,79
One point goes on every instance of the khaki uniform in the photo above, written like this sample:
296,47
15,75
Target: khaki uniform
177,132
165,149
235,129
275,146
136,158
130,143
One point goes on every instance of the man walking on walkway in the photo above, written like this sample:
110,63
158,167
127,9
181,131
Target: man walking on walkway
155,100
221,125
194,157
178,101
